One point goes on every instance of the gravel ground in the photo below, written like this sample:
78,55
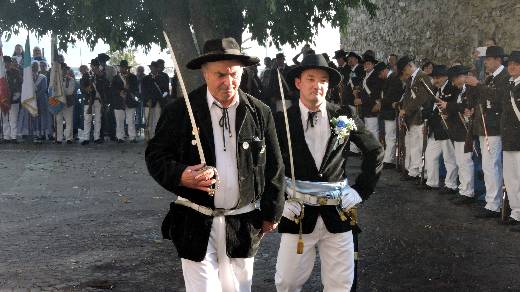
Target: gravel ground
76,218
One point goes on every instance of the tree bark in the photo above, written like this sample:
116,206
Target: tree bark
177,26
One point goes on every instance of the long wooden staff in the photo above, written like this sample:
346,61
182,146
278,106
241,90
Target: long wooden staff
299,219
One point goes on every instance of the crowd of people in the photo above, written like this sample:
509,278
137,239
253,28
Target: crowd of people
108,103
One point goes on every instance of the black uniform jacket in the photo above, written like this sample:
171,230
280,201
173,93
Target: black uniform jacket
332,169
455,110
130,99
354,79
260,170
415,98
152,91
369,100
490,96
436,127
393,89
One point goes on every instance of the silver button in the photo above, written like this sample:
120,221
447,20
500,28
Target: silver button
245,145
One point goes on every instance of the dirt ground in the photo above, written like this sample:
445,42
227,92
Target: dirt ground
76,218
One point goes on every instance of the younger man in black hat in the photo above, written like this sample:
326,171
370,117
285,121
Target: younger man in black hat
371,95
125,101
439,142
320,170
153,96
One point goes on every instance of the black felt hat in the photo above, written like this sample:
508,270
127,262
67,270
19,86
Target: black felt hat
369,58
124,64
103,57
220,50
439,70
340,54
380,67
315,61
353,54
495,52
280,55
514,57
401,63
457,70
94,62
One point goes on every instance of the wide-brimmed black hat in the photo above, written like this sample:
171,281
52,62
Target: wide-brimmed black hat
457,70
514,57
353,54
495,52
439,70
380,67
369,58
315,61
280,55
340,54
103,57
124,64
94,62
401,63
154,64
220,50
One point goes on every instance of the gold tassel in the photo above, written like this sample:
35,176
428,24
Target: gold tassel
299,245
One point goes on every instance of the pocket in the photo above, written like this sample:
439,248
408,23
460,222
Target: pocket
258,149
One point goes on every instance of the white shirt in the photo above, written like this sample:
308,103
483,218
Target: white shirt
227,195
516,81
414,74
317,137
498,71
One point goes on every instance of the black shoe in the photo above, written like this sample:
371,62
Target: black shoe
407,178
98,141
85,142
69,142
13,141
133,141
463,200
487,214
445,191
387,165
57,142
427,188
120,141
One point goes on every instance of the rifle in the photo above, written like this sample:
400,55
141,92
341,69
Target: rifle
402,143
505,210
424,145
398,139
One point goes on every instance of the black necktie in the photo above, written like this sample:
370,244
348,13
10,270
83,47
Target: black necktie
489,80
312,118
512,83
224,123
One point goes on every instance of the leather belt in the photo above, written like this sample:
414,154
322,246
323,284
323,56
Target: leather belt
317,201
215,212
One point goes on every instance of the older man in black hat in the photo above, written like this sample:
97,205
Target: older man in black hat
415,97
320,171
392,90
217,232
439,142
274,89
486,125
153,96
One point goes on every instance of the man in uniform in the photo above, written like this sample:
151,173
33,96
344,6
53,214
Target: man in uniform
125,87
217,235
439,142
371,95
14,83
320,165
486,125
392,91
460,110
274,89
153,96
415,98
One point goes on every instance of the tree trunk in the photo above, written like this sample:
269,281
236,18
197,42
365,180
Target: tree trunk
177,26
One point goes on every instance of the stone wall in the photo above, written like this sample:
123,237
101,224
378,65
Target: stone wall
441,30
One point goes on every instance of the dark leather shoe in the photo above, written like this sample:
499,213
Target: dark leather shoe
98,141
427,188
509,222
85,142
487,214
69,142
120,141
407,178
445,191
463,200
388,165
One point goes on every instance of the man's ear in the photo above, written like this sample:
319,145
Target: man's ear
297,82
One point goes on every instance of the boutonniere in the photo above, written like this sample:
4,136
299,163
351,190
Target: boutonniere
342,126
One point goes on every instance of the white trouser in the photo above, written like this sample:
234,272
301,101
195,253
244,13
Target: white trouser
512,181
372,125
413,142
64,114
10,122
466,170
492,168
217,272
127,115
87,121
353,147
336,254
390,141
434,150
151,117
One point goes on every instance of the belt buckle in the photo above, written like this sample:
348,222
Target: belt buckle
219,212
322,201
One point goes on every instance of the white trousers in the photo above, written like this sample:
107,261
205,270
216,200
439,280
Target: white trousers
64,114
151,117
413,142
390,141
492,167
372,125
466,170
512,181
87,121
127,115
434,150
10,122
336,254
217,272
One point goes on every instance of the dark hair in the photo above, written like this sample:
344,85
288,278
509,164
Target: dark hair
426,64
14,52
